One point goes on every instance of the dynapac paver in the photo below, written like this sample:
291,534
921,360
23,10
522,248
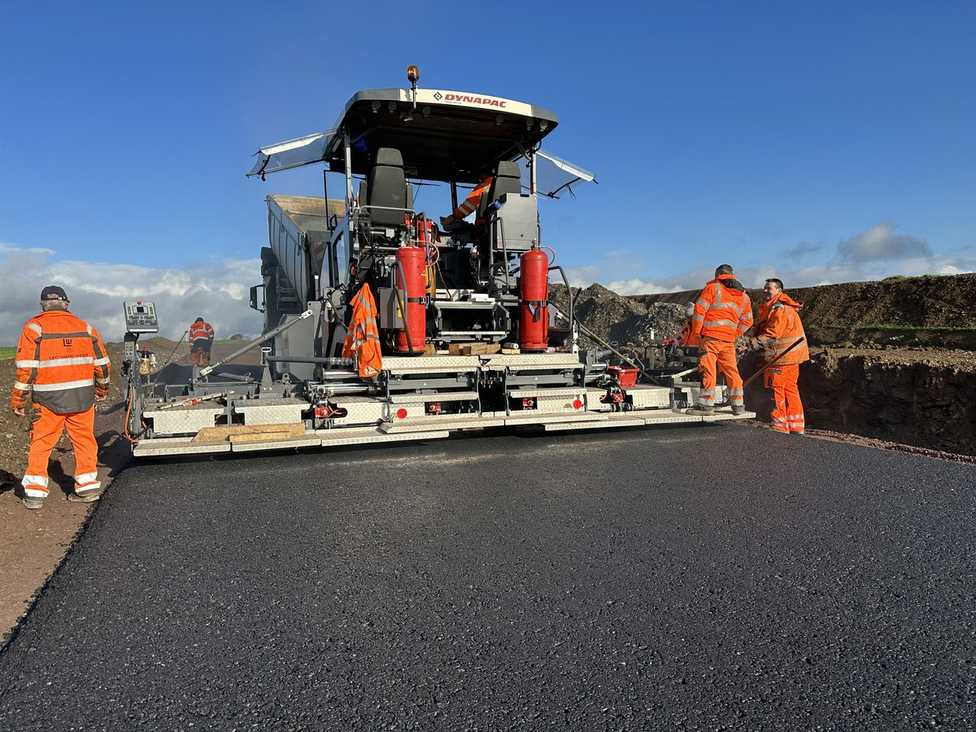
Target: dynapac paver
462,310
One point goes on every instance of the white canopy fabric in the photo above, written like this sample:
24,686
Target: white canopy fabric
291,154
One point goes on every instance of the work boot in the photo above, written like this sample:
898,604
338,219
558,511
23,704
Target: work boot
32,503
86,496
738,409
701,410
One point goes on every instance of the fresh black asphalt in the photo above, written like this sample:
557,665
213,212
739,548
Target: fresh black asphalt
716,578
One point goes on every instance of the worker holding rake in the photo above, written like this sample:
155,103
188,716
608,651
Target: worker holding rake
780,336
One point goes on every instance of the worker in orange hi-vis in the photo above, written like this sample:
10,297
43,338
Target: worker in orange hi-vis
686,338
63,369
470,204
778,329
201,338
363,336
723,312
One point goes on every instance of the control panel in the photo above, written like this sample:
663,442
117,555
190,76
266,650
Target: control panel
140,317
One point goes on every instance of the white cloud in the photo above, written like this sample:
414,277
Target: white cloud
638,286
880,242
217,291
872,254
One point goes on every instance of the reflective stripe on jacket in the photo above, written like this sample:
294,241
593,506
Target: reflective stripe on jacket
63,361
201,331
363,336
721,312
470,204
780,329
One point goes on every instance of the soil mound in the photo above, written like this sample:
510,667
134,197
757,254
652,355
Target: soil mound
932,311
622,321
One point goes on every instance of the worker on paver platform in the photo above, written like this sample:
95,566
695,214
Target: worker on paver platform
723,312
63,367
777,334
201,337
470,204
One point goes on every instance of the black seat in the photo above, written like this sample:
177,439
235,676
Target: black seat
387,189
507,179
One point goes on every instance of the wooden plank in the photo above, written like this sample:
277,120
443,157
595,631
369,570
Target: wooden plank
478,348
224,432
266,436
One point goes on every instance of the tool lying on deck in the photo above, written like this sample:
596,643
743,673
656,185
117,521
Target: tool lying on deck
193,401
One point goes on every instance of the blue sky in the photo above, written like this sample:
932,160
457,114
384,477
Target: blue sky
828,141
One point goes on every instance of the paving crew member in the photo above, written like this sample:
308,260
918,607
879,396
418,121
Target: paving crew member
201,337
685,338
779,327
470,204
363,335
723,312
63,368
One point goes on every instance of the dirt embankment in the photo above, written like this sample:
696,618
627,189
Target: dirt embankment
931,311
893,359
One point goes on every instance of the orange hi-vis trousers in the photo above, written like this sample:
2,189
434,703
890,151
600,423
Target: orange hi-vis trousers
715,355
45,432
788,414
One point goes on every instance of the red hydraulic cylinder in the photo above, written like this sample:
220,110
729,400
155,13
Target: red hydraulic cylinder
410,281
534,301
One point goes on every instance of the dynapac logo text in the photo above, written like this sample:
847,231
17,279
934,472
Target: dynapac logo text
500,103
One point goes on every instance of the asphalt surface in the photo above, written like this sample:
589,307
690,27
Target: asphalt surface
725,577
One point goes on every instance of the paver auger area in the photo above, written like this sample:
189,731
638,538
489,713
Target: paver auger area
622,579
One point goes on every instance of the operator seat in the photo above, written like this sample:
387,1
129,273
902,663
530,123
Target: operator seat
507,179
387,189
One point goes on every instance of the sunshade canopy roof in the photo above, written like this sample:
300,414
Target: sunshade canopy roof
450,135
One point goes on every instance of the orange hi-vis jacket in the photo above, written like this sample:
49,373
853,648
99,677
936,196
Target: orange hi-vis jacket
201,331
363,336
721,312
780,328
60,359
470,204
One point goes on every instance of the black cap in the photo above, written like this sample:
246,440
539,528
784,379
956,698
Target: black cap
53,292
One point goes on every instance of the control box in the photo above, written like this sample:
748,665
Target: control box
140,317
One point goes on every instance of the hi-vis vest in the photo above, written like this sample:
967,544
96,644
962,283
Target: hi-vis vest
721,312
201,331
62,360
470,204
780,330
363,335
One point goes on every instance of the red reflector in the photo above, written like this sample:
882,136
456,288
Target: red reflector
401,413
577,404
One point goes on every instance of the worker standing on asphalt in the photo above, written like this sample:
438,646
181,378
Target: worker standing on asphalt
723,312
778,329
63,367
201,337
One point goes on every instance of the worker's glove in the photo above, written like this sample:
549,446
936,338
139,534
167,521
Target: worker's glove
19,411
